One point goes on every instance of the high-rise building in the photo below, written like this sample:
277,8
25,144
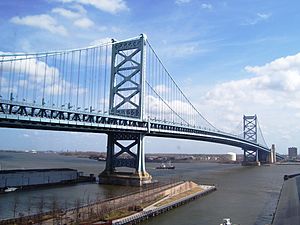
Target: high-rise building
292,151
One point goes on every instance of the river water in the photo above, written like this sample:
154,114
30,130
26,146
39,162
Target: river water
247,195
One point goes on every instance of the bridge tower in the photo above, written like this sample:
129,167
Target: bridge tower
251,156
127,89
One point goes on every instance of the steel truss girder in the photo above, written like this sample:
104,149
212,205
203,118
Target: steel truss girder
250,134
21,109
251,155
131,160
130,102
250,128
62,119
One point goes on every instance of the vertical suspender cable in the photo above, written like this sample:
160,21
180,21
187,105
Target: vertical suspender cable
44,82
71,79
93,80
61,80
19,78
100,100
36,70
78,79
65,87
92,77
1,76
105,74
10,92
25,81
55,75
85,74
28,79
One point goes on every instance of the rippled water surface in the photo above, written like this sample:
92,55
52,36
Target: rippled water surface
247,195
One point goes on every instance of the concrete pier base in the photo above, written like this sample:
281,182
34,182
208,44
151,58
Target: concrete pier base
123,178
248,163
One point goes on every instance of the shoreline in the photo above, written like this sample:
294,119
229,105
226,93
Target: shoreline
134,207
155,210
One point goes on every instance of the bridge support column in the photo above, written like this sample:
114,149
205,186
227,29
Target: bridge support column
251,158
273,149
125,150
272,155
127,92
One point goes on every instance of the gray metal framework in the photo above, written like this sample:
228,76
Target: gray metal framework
29,116
126,99
250,128
125,123
127,78
250,133
133,147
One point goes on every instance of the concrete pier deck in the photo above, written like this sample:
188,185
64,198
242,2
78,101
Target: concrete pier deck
162,206
288,208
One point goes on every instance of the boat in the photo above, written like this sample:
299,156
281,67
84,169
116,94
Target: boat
226,221
169,166
10,189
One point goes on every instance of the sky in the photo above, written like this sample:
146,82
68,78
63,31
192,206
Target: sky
231,58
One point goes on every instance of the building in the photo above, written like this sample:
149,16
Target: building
292,152
231,156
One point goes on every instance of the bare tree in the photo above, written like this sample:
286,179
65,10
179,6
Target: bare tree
40,209
77,210
64,213
15,205
29,202
54,208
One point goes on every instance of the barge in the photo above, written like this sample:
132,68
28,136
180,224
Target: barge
164,166
15,180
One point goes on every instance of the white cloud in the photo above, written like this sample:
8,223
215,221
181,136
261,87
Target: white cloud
66,13
111,6
179,2
36,69
259,17
183,49
33,74
42,21
161,89
264,16
79,18
79,8
101,41
206,6
273,93
159,109
84,23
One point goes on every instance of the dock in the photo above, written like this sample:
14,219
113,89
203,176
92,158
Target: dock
153,210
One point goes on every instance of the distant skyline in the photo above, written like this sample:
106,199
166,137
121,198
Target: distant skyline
230,58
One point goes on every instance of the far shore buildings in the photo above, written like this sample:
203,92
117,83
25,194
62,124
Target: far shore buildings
292,153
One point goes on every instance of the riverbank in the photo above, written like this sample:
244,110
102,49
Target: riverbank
165,204
134,207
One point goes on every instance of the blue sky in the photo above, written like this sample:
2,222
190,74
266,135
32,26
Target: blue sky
230,57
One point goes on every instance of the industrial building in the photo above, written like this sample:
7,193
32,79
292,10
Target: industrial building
33,177
292,152
231,156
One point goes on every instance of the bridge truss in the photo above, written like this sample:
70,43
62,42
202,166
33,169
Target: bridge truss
120,88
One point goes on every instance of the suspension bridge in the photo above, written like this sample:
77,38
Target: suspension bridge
120,88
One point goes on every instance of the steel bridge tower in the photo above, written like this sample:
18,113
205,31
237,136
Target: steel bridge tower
127,90
251,156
